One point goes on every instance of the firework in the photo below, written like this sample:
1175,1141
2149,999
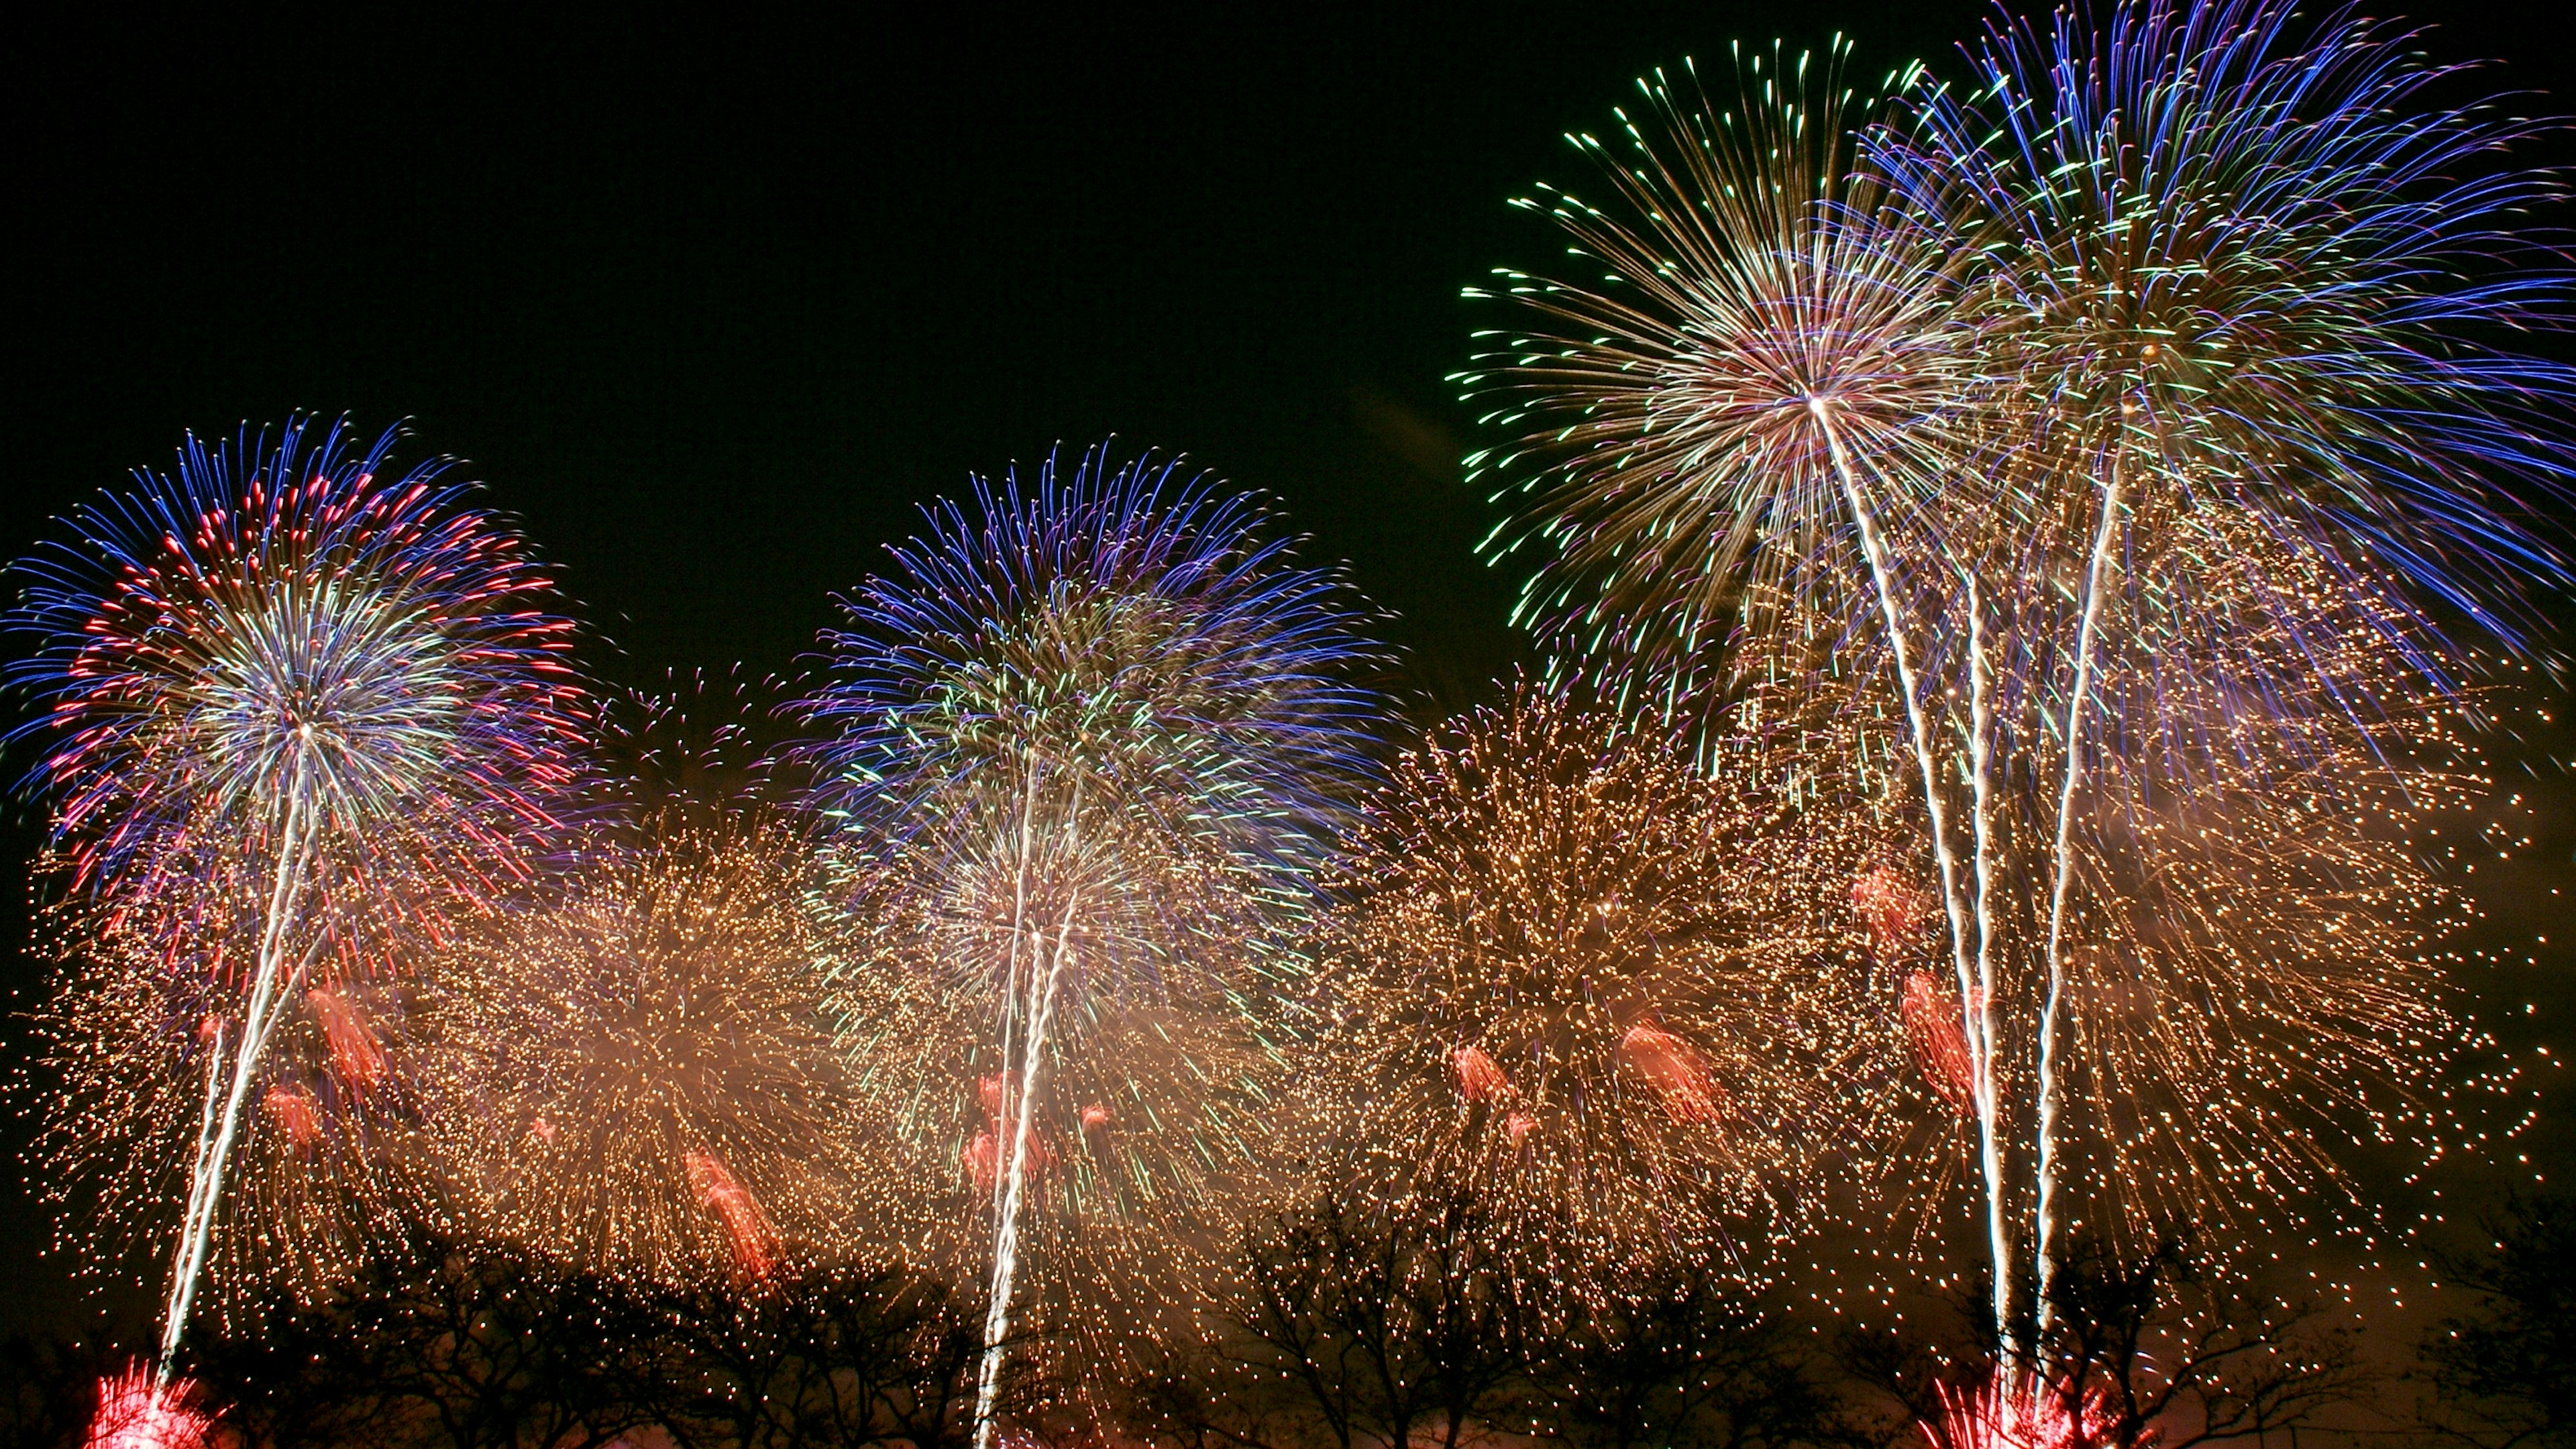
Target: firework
1718,438
636,1075
1585,980
299,714
1090,744
140,1409
2119,537
1994,1415
2242,344
323,1161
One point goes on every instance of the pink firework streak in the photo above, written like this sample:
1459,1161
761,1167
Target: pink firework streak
983,1156
1891,908
1940,1044
296,1113
755,1242
136,1410
356,1058
1678,1073
1991,1416
1480,1077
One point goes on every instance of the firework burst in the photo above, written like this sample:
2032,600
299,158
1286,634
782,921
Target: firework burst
2126,556
298,714
636,1076
139,1409
1090,743
1584,979
1717,437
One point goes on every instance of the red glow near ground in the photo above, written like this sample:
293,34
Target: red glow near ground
135,1411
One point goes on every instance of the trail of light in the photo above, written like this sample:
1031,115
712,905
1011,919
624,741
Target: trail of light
171,1309
2046,1209
205,1187
1989,1148
1006,1232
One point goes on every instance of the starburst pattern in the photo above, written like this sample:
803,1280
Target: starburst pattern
636,1076
1583,979
299,715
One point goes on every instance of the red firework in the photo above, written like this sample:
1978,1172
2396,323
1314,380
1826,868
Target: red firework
1940,1042
1992,1416
1677,1072
755,1242
356,1057
295,1112
1480,1077
1891,908
983,1156
137,1410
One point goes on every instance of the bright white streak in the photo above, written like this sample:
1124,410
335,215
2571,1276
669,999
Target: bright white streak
1040,1012
206,1174
2093,581
1989,1148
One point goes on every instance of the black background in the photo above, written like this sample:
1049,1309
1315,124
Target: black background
714,303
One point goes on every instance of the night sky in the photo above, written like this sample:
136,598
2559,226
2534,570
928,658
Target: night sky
713,306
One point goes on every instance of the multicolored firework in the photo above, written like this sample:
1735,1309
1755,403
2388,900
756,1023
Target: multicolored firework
1090,745
1594,985
2119,528
637,1075
1723,436
299,715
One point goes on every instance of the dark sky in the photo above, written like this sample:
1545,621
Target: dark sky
713,305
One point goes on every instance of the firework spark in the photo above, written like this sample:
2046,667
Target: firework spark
323,1162
299,714
1089,742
